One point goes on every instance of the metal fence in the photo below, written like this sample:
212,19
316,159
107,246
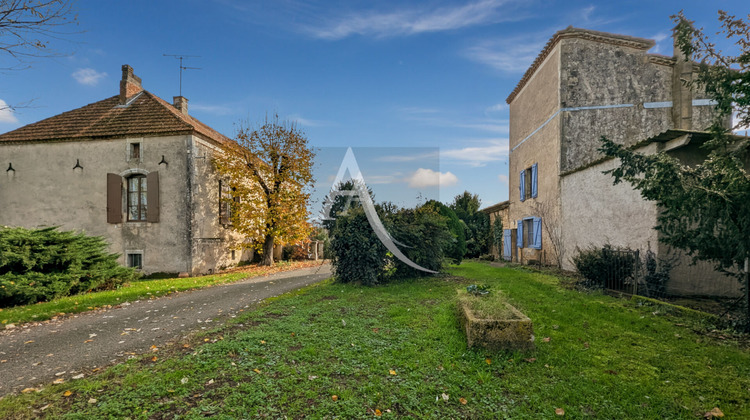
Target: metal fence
635,273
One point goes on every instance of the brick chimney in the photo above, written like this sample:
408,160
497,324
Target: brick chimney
181,103
129,85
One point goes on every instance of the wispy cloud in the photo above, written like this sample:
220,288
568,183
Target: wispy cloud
88,76
308,122
212,109
414,21
6,113
660,44
493,150
407,158
496,108
509,55
429,178
503,179
438,118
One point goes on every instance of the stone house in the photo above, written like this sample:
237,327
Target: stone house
583,85
131,168
500,211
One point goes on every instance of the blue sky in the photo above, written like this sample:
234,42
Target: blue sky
431,76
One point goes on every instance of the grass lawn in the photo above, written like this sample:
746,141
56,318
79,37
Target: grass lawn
140,289
358,352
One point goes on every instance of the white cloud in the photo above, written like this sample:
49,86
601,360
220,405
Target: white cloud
495,150
6,113
407,158
496,108
308,122
510,55
211,109
88,76
503,179
414,21
429,178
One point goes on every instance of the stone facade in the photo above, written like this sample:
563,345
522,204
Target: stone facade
74,171
584,85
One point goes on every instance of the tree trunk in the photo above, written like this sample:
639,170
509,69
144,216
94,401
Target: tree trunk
268,251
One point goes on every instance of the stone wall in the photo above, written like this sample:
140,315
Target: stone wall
45,190
535,138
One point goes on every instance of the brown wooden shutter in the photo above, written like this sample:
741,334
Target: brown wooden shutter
114,198
152,195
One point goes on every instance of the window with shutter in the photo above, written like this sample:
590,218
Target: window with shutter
507,249
137,198
223,204
152,214
114,198
537,243
522,185
534,177
519,234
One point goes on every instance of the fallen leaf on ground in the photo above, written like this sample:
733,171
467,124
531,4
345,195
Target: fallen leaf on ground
67,393
184,380
92,400
335,397
153,359
586,344
78,376
256,370
58,381
27,390
445,397
715,412
30,341
262,342
559,411
88,341
488,360
378,413
545,339
392,372
530,360
462,401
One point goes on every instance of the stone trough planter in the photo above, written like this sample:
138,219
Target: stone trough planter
514,333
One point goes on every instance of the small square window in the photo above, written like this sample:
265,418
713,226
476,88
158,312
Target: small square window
135,150
135,261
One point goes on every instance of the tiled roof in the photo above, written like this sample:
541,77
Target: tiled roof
496,207
571,32
144,115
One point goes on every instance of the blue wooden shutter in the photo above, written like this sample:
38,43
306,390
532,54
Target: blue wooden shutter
537,233
507,249
533,180
522,185
519,234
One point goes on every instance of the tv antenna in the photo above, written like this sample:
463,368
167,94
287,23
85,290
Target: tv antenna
182,57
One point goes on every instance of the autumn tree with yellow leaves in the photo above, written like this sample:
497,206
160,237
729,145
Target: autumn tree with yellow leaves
268,171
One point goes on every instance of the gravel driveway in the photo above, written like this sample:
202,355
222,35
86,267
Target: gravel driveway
63,350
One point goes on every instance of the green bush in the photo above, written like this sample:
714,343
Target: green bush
426,236
42,264
606,266
358,254
456,248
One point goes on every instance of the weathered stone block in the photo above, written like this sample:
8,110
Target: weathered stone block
514,333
